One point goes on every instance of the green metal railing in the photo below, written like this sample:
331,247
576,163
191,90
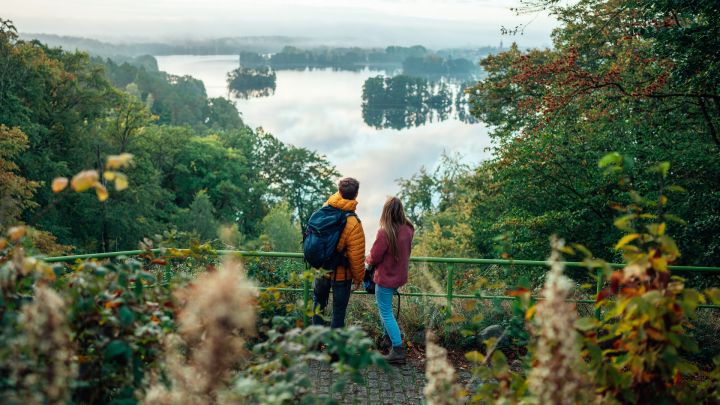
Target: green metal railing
449,294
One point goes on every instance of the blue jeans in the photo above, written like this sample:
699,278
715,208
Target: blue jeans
341,297
384,297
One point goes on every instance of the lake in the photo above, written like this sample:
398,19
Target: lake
321,110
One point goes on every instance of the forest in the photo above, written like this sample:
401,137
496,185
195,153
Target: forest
578,264
416,60
196,163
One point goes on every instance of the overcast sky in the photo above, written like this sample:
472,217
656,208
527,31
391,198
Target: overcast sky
435,23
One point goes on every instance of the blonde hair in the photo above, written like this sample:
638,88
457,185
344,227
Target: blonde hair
393,215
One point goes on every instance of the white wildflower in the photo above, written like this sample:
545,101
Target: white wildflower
557,377
47,336
218,314
441,388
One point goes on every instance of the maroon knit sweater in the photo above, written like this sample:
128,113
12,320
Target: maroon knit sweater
389,271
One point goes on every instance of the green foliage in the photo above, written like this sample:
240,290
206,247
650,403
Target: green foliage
200,218
16,191
435,65
279,373
176,100
297,175
117,315
639,349
74,112
223,114
616,79
428,193
281,229
438,203
291,57
119,319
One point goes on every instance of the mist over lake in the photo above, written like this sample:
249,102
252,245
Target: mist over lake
321,110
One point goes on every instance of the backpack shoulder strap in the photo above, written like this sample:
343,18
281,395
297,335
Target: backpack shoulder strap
349,214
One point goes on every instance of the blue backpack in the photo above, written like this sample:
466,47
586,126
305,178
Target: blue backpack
321,237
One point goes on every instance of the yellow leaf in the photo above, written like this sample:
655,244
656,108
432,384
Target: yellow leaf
119,161
663,200
121,182
475,356
661,229
659,264
624,221
530,312
626,239
101,191
84,180
16,232
59,184
109,175
3,243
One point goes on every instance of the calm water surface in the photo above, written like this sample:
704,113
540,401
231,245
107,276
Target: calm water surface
321,110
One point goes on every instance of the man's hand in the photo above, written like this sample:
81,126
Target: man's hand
356,285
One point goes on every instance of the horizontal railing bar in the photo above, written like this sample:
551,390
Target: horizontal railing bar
417,259
460,296
106,255
294,255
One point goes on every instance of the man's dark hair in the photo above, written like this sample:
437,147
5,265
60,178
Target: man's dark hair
348,188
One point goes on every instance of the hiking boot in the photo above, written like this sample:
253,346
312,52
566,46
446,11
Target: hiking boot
396,355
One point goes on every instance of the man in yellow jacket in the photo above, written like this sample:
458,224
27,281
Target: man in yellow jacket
345,278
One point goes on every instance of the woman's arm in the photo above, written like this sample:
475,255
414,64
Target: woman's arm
379,248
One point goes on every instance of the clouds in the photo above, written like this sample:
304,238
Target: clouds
375,22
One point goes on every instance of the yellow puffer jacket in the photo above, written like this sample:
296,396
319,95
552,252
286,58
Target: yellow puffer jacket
352,241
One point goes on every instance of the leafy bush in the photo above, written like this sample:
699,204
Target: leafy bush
280,370
169,327
639,349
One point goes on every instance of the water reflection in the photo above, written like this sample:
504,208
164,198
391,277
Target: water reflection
320,110
246,82
406,101
462,104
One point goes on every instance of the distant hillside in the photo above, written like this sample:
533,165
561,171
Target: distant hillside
196,47
219,46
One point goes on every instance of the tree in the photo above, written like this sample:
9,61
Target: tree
200,218
616,79
62,113
282,229
15,190
222,114
427,193
301,177
128,118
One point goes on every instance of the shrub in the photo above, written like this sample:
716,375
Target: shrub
638,351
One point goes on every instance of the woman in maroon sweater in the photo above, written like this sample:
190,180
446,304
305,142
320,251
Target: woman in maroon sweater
390,255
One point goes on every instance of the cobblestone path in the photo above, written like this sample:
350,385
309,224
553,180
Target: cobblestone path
399,385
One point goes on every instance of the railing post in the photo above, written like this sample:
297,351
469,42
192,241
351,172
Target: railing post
306,299
450,278
598,288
